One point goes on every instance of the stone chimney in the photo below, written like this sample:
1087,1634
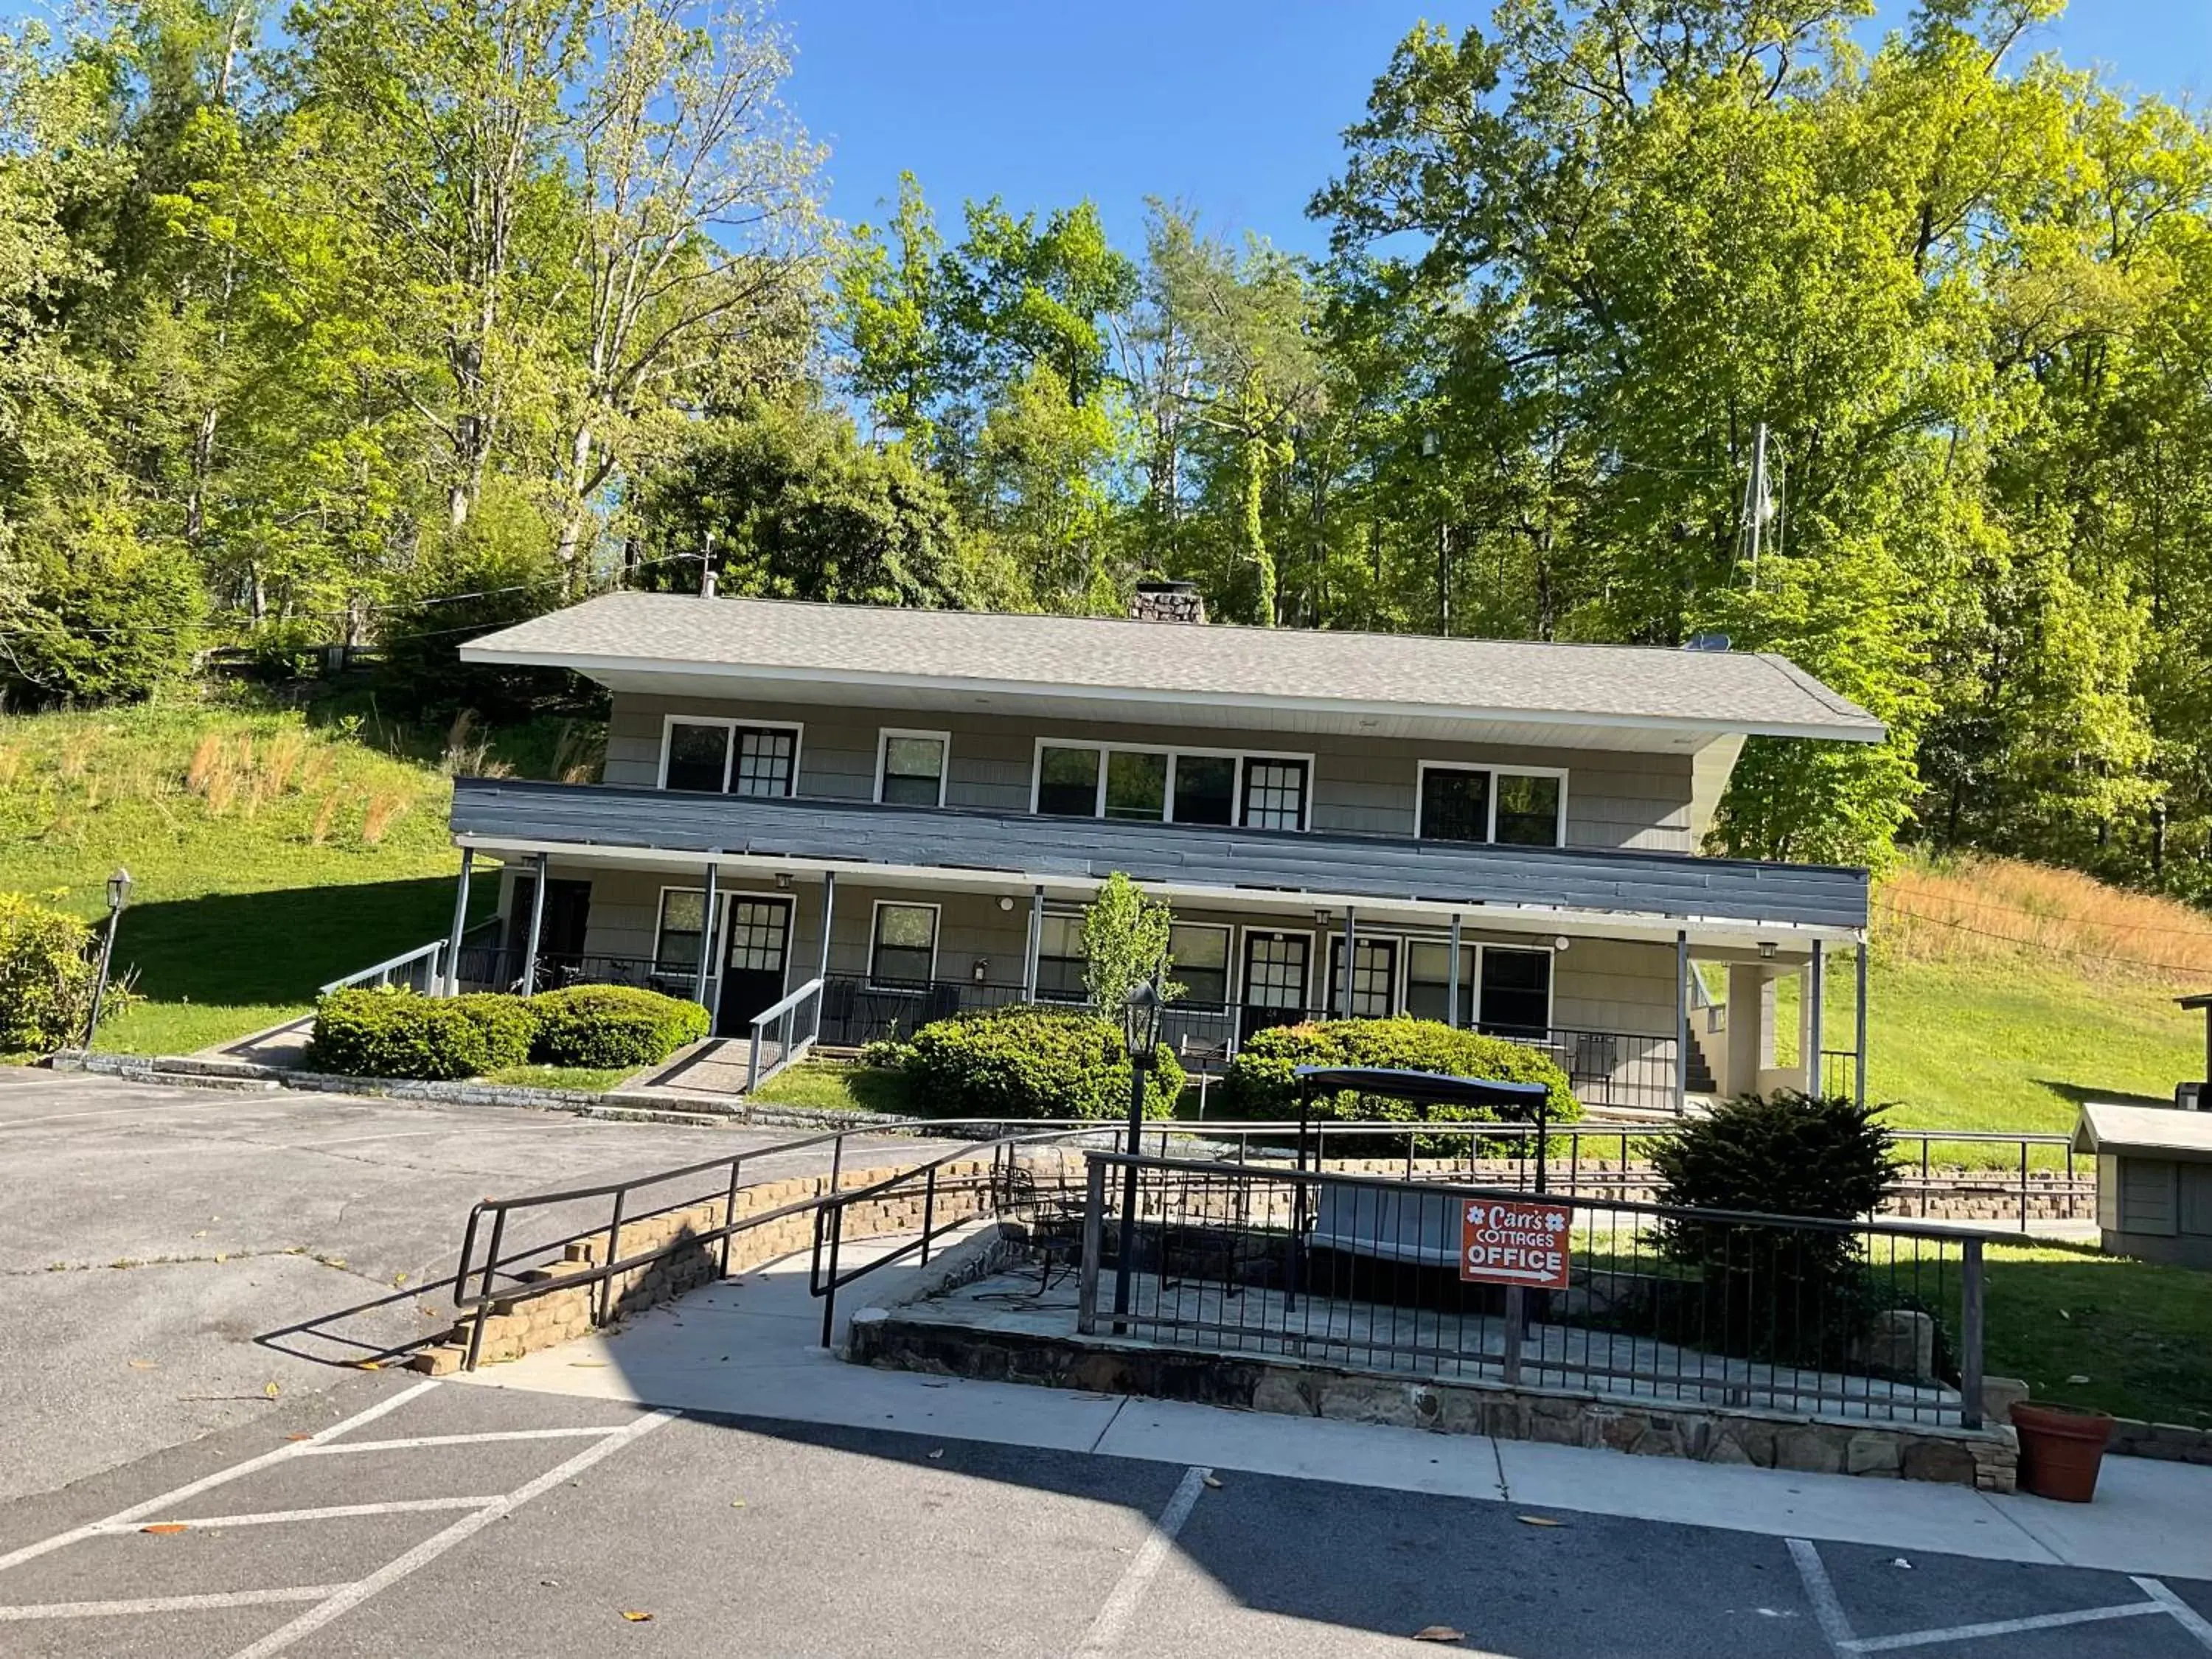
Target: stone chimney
1172,602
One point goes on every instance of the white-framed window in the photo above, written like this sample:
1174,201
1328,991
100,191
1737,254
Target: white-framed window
1062,961
680,929
911,767
1507,806
1428,979
1080,778
1198,958
1515,994
708,754
903,944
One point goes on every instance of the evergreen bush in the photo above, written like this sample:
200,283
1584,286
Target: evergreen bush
1791,1292
610,1026
1031,1062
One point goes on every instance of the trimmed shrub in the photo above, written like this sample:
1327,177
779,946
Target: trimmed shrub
610,1026
46,974
398,1033
1789,1293
1259,1083
1031,1062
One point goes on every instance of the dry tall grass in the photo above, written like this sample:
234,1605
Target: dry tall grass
1999,910
382,810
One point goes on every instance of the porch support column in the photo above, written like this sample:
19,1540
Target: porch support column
1815,983
1858,1077
1452,978
536,926
1351,939
829,914
453,980
1682,1020
1036,941
707,933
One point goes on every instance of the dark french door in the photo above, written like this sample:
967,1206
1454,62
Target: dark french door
756,945
1277,967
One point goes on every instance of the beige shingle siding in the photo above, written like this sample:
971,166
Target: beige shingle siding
1616,798
1714,689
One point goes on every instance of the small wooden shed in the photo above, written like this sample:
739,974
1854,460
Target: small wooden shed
2154,1180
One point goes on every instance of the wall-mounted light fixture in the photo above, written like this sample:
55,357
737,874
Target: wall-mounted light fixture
1767,948
1561,943
1005,902
980,971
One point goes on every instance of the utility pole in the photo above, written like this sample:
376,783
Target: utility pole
1443,575
1759,503
707,569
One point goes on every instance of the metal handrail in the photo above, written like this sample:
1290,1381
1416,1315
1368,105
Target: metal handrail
783,1011
1972,1241
836,1203
381,972
1239,1136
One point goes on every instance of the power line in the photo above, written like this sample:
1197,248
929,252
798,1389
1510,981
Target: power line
2108,958
2204,932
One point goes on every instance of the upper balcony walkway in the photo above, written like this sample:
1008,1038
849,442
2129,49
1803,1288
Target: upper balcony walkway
1191,861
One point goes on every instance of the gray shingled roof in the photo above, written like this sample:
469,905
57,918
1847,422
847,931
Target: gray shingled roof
1715,691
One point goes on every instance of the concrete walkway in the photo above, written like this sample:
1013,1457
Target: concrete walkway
751,1347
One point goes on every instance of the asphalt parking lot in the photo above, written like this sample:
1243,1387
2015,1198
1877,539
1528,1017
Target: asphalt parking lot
357,1514
438,1518
160,1244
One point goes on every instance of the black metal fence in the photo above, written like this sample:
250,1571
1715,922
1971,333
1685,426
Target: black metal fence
1872,1320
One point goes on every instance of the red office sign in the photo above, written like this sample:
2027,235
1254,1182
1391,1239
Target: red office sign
1514,1242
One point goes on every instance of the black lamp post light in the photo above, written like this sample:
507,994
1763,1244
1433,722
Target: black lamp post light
1140,1032
119,895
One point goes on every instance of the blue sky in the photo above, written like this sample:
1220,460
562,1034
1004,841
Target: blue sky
1233,106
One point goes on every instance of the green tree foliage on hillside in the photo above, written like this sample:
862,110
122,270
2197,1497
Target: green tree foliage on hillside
1640,320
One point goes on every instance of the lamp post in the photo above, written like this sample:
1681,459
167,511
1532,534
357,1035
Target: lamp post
118,894
1140,1032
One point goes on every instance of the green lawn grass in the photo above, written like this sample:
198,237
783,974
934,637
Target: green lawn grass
590,1080
2136,1335
293,853
840,1085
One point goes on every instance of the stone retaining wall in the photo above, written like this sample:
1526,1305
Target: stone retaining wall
908,1339
1949,1194
2169,1442
691,1254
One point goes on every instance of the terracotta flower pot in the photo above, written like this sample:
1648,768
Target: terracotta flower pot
2061,1449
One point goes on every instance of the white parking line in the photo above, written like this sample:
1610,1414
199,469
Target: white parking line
347,1447
430,1549
2186,1616
168,1499
144,1604
1836,1624
274,1517
1106,1630
1921,1638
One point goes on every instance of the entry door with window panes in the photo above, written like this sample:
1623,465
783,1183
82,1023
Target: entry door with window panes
757,940
732,760
1274,794
1276,969
1517,992
1374,977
